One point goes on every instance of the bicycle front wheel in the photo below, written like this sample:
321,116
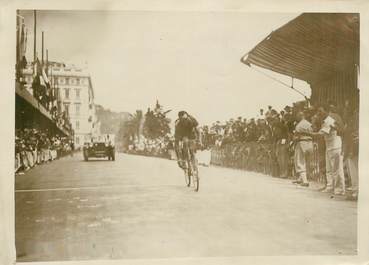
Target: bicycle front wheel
195,174
187,174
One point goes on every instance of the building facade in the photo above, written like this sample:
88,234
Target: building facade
74,94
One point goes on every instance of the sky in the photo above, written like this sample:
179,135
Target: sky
186,60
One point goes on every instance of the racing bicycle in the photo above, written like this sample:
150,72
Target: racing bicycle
191,171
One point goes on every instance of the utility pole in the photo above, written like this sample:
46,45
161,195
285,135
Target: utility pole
42,49
34,35
47,61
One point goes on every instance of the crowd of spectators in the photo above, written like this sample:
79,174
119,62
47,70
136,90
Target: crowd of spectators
47,97
35,146
267,143
159,147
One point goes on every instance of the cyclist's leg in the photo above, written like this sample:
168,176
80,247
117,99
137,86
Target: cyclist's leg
179,148
192,151
186,152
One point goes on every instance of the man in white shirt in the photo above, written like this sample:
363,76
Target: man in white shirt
261,115
303,148
334,158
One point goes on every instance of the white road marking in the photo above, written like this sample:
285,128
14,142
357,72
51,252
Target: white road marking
99,187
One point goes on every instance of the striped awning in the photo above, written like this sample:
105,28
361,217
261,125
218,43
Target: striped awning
311,47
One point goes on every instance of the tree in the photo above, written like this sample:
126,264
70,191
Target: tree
156,123
130,129
153,125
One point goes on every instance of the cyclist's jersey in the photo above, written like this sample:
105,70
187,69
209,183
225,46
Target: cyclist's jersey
185,128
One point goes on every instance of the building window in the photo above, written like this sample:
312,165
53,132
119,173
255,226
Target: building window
78,108
77,125
66,90
77,140
78,93
61,80
67,80
78,81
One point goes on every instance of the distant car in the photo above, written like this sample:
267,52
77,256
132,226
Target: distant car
100,148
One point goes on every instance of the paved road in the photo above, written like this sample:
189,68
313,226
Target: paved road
138,207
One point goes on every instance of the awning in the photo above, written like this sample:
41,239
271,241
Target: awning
311,47
31,101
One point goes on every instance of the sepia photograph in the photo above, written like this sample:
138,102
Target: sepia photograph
184,134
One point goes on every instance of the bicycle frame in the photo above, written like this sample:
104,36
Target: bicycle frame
188,154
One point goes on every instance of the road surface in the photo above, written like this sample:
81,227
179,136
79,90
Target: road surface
139,207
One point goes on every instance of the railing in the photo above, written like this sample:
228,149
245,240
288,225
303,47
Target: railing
271,159
29,159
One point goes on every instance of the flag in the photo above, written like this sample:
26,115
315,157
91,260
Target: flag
42,81
25,42
44,76
22,43
37,68
23,63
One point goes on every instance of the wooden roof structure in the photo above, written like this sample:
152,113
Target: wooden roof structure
312,47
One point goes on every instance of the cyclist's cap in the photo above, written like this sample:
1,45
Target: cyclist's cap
181,113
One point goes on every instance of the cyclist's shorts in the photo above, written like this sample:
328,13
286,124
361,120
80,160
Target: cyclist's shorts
192,144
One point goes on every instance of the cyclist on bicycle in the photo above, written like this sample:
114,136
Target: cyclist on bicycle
186,130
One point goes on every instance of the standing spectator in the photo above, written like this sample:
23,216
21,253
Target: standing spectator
261,114
339,127
268,114
303,148
334,161
338,122
351,151
288,116
72,146
281,142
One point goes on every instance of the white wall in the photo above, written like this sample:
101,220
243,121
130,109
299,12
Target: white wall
7,220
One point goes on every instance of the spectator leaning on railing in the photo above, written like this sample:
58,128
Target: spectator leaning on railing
33,146
330,130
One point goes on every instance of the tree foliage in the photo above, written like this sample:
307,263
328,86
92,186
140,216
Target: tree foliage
156,123
153,125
